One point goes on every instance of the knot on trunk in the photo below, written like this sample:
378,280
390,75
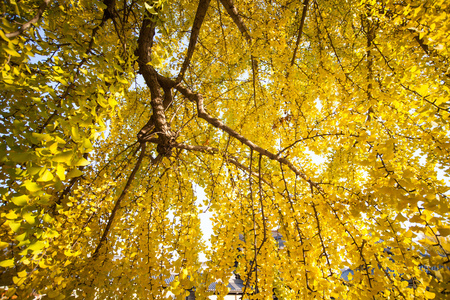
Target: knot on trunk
164,150
166,144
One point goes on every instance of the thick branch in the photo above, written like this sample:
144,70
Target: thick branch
145,44
198,21
158,120
119,200
232,11
28,24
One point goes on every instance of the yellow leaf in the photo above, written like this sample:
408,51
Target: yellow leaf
82,162
22,274
21,237
11,215
20,200
174,284
36,246
52,294
61,172
63,157
32,186
7,263
74,173
183,274
12,52
15,226
46,176
444,231
28,216
3,245
3,36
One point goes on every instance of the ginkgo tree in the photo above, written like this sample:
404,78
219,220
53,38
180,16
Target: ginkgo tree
114,112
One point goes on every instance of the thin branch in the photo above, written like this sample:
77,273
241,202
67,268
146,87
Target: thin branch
229,158
307,138
319,232
119,200
386,272
106,16
28,24
198,21
300,30
232,11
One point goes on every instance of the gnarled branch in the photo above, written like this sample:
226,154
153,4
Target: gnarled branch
158,119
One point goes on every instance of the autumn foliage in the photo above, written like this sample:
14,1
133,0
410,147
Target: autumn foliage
326,120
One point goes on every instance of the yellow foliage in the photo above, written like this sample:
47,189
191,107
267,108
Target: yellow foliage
327,121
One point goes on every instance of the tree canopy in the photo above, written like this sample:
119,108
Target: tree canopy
114,112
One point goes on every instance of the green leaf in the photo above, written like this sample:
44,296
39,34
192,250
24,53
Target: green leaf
21,157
